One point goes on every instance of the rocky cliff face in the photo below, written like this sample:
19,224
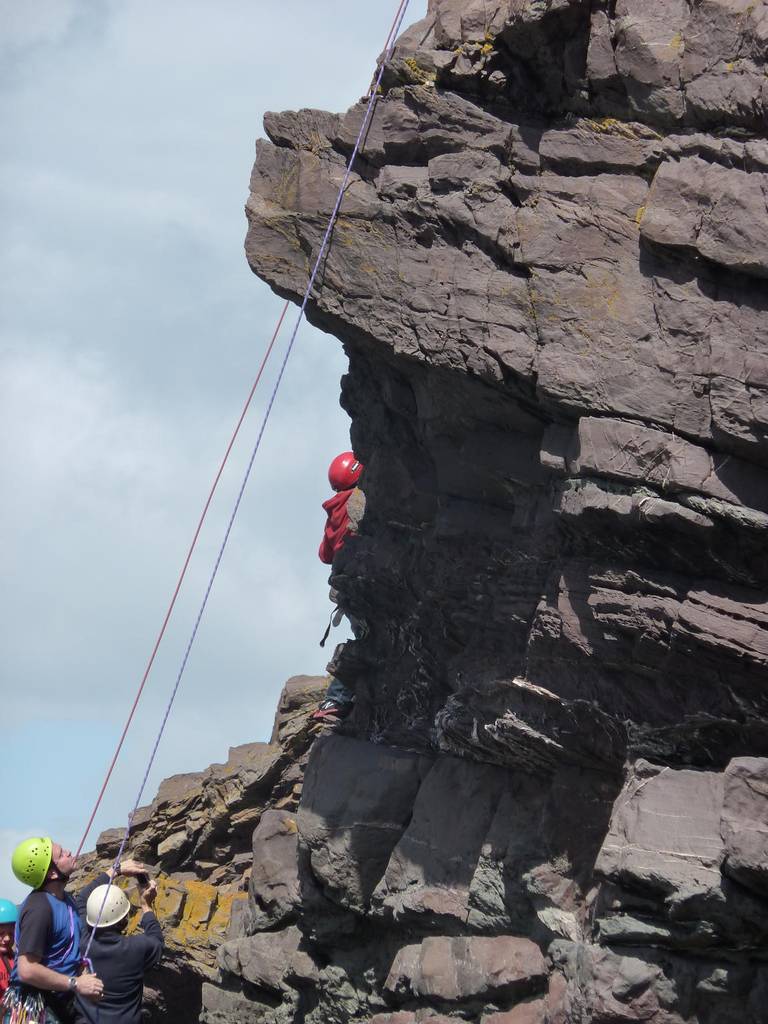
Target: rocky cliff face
196,835
549,278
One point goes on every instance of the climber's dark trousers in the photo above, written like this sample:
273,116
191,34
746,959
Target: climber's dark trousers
338,692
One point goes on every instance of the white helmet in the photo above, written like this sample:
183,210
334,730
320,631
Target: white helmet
116,906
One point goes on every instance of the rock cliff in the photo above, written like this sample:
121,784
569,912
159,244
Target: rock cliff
196,835
549,278
549,272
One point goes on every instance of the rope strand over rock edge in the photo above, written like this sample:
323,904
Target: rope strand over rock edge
389,47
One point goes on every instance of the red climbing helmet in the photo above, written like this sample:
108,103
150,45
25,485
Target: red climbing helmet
344,471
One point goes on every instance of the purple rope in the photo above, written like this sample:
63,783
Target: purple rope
393,33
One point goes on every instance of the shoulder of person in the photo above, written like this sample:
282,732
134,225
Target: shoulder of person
36,903
35,924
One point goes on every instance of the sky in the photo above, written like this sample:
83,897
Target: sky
130,331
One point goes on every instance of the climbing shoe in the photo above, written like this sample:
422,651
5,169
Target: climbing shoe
331,711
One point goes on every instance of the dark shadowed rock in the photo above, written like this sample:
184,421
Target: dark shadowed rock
530,1012
409,1017
351,826
665,832
268,960
665,857
744,823
274,884
431,868
458,970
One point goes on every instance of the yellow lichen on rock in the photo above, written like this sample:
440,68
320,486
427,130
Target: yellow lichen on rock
219,923
198,908
676,44
613,126
419,74
169,902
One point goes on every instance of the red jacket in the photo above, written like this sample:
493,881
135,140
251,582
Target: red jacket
5,973
336,526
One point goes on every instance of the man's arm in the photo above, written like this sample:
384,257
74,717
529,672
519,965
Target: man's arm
82,897
32,972
129,868
153,936
153,933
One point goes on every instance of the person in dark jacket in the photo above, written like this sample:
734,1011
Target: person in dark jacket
119,960
343,514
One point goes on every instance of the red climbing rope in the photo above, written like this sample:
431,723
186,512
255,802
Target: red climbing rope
180,580
393,31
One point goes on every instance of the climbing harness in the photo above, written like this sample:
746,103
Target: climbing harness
364,126
60,959
24,1007
23,1004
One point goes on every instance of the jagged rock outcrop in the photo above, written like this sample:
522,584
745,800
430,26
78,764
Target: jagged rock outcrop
549,277
197,835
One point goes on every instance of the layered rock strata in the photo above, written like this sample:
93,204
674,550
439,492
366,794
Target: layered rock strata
549,278
196,836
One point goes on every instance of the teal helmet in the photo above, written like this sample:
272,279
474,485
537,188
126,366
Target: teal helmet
9,913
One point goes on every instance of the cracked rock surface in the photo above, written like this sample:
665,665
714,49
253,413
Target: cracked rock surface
549,276
197,837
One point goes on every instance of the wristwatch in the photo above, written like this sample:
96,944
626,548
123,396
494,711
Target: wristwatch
73,984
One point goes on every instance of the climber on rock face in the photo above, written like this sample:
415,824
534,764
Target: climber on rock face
120,960
8,917
46,974
345,509
344,512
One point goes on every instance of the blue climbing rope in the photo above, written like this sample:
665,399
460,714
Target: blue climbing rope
387,54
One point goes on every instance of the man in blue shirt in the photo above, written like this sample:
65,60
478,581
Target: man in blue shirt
48,933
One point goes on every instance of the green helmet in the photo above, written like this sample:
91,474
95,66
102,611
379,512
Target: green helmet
31,860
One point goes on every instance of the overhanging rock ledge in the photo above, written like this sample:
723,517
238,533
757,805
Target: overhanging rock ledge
549,272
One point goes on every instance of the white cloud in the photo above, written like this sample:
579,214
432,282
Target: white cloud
127,205
29,24
64,424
